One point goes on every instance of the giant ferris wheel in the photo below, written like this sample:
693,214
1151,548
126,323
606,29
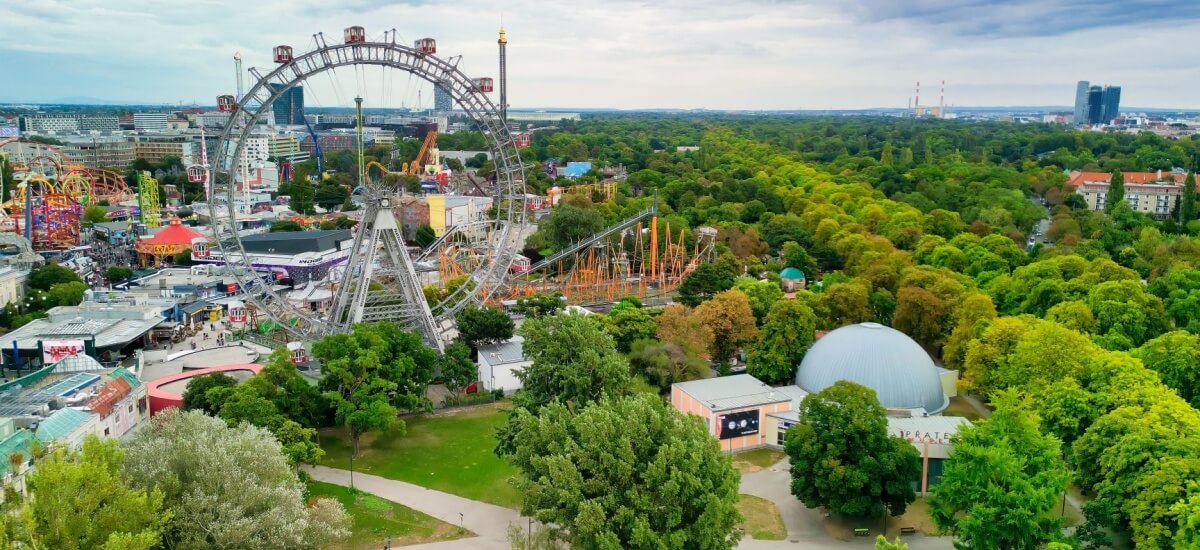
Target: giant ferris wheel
380,280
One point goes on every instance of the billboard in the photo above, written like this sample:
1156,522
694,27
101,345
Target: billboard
54,351
737,424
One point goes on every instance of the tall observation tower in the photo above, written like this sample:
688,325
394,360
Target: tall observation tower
503,41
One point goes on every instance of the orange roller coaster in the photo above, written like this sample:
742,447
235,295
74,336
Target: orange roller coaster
93,186
623,265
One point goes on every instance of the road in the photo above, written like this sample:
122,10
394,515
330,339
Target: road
1040,227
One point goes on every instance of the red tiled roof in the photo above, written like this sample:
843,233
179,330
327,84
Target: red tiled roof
1079,178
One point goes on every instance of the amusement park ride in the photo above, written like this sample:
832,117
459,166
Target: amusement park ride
474,262
51,193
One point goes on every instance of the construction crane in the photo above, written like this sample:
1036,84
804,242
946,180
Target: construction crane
413,168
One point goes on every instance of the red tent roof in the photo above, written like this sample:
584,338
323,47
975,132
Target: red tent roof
175,233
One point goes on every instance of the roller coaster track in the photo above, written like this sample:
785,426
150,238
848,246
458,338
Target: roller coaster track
581,245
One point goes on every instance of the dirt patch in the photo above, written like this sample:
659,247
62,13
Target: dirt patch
761,518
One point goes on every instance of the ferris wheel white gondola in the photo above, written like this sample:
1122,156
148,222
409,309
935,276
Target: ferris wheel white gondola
484,263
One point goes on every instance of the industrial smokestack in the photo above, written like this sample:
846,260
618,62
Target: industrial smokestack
942,99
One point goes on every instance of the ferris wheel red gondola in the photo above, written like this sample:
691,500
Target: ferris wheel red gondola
226,103
425,45
485,84
355,35
283,54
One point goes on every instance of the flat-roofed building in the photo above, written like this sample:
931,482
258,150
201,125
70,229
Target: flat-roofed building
99,151
154,147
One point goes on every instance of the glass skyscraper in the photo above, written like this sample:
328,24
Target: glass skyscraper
289,108
442,102
1096,104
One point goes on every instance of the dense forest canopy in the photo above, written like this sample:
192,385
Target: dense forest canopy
925,225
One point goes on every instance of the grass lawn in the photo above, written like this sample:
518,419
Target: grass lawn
762,520
449,452
758,459
375,519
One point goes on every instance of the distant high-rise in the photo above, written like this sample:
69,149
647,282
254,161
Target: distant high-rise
1112,104
1081,101
442,102
289,108
1096,104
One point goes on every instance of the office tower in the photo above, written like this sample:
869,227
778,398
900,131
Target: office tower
289,108
442,102
1095,104
1081,102
1112,104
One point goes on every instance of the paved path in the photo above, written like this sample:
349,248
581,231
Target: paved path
805,526
488,521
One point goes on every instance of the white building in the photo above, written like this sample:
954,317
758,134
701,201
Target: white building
12,285
499,362
150,121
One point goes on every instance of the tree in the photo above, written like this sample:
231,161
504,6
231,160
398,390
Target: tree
1116,192
762,295
881,543
118,274
885,158
457,368
228,487
197,396
483,325
424,236
705,282
679,325
80,501
676,488
1176,358
574,362
286,226
93,215
540,304
567,225
786,335
796,256
920,314
183,258
628,325
1001,482
355,381
67,294
664,364
843,458
46,276
731,320
1187,207
847,303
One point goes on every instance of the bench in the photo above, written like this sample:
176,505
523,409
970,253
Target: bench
908,530
862,532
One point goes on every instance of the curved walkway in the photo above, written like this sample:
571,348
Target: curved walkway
488,521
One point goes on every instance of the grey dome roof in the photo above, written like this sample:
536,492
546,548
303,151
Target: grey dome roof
878,357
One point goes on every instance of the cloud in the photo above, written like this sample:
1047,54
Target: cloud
772,54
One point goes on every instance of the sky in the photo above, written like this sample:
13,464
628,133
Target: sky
687,54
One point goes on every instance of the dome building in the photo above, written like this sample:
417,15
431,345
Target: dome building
881,358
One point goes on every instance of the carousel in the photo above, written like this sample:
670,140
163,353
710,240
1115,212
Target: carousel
171,240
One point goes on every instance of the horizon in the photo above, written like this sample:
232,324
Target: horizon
755,55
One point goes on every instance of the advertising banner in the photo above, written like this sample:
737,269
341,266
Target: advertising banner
737,424
54,351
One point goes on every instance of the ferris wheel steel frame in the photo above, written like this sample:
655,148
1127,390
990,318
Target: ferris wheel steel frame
509,203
